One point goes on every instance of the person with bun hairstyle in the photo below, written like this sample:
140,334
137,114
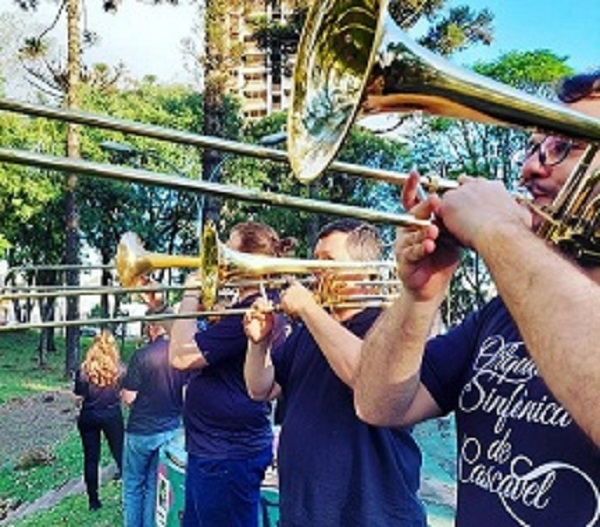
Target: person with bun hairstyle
98,383
228,436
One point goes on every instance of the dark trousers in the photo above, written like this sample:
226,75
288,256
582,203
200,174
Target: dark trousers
91,424
224,493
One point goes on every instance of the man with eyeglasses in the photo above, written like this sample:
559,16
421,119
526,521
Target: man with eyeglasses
523,374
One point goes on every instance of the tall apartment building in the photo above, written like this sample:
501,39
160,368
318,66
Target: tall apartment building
261,88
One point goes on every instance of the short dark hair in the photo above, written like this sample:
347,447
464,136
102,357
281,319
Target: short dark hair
577,87
343,225
364,242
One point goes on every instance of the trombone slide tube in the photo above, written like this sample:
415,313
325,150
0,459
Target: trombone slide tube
88,168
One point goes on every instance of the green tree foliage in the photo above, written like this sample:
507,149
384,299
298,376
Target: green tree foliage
163,218
534,71
449,30
32,201
459,29
362,147
24,191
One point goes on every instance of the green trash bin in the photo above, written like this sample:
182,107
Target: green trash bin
170,495
269,507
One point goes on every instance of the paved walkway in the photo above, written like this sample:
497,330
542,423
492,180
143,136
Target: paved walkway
50,499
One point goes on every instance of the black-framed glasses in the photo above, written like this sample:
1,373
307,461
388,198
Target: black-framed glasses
551,150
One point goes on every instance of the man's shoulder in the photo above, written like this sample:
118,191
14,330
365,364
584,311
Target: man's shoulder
151,351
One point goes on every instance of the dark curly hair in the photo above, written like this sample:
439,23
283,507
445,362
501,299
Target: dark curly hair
577,87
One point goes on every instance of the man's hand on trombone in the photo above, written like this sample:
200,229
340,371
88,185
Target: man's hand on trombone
427,256
258,321
477,206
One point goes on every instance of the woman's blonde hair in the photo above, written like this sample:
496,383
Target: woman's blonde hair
102,364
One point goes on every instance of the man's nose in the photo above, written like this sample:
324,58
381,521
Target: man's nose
534,169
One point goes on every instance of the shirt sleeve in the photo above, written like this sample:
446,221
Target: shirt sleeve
222,340
447,361
132,380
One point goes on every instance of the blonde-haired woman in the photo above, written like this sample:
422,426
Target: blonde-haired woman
98,383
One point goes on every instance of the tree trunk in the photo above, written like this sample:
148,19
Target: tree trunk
46,342
72,212
46,306
215,75
105,281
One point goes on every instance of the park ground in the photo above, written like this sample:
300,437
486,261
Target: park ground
40,471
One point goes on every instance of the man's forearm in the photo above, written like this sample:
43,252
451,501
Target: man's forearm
183,350
392,352
259,373
557,310
340,346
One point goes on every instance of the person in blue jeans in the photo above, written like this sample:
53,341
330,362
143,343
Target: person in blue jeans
228,436
154,392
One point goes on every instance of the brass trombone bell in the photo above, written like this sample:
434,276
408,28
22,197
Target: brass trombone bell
353,60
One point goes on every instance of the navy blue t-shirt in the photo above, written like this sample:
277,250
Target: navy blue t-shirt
221,421
522,460
97,398
334,469
159,401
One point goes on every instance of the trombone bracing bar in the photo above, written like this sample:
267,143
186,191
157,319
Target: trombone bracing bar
60,291
116,320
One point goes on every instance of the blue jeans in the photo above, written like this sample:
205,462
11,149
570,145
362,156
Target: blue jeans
140,466
224,493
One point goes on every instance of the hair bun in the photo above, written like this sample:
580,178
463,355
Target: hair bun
286,246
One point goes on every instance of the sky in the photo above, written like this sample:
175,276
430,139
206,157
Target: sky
149,38
567,27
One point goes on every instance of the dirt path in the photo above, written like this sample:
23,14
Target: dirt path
29,429
35,423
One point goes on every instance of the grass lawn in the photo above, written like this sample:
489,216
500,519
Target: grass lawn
20,377
73,512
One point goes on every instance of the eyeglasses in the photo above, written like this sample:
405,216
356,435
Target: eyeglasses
551,150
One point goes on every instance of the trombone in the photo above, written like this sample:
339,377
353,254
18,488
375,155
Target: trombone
219,267
354,60
222,269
